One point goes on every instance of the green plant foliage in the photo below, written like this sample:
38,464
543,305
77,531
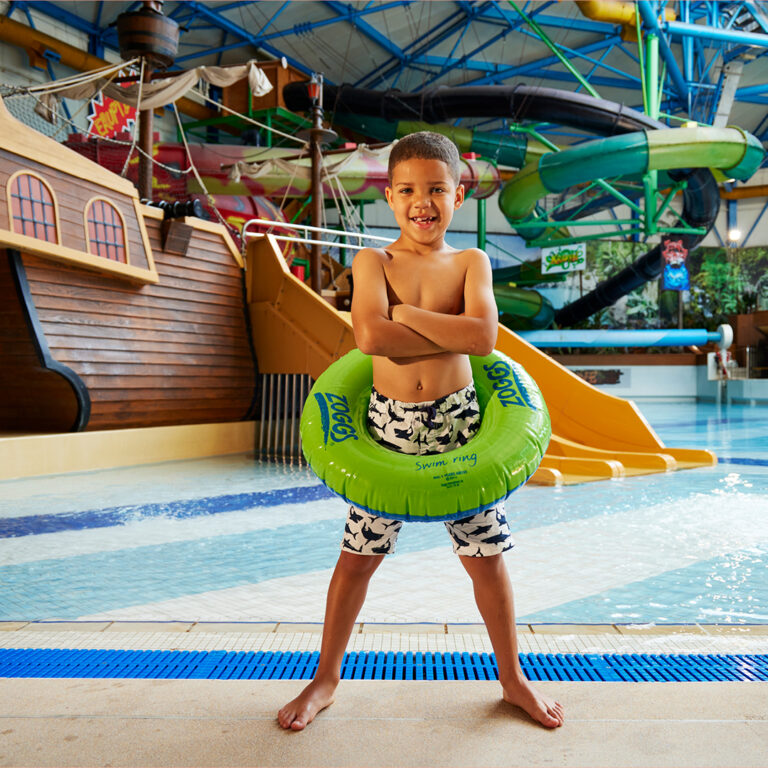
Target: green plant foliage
724,281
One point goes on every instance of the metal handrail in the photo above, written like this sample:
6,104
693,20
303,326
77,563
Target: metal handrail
331,244
307,228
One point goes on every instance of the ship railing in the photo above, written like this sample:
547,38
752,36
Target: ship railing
307,229
283,394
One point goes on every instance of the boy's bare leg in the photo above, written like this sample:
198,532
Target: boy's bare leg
493,595
346,595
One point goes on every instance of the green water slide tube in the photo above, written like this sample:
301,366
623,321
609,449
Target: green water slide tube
736,153
523,308
515,150
520,307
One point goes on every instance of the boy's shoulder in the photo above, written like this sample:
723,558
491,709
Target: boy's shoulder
471,256
474,253
370,256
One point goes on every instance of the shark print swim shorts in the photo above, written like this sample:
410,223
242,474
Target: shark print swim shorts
426,429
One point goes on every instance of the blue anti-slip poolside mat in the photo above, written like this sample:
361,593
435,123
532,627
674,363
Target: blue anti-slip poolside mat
378,665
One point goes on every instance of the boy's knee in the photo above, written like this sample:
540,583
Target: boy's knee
482,567
358,565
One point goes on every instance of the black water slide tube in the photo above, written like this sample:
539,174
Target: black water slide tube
701,199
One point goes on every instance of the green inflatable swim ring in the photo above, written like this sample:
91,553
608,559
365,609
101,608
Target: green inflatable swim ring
513,435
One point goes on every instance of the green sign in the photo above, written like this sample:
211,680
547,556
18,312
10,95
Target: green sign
563,258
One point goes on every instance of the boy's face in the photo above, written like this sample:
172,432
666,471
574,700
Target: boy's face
423,197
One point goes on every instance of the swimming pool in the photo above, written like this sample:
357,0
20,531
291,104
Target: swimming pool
230,539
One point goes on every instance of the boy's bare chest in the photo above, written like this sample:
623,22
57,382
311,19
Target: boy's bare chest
438,287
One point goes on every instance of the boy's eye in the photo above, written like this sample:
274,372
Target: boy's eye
405,190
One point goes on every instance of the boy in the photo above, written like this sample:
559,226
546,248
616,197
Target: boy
419,308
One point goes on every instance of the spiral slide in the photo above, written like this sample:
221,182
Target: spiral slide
595,436
683,152
634,144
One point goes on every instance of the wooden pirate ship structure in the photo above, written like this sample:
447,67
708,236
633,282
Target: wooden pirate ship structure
111,314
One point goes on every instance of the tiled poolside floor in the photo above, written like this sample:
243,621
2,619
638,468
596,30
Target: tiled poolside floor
124,722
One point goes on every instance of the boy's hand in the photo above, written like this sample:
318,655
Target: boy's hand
372,313
473,332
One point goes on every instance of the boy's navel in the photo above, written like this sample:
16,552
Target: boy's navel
419,385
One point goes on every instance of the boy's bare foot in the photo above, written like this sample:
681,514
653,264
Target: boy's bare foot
300,712
541,708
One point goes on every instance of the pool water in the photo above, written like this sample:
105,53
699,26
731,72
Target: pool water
231,539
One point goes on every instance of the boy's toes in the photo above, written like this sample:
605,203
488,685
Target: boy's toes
293,719
550,719
556,715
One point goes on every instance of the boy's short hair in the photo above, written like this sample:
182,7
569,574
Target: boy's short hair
426,145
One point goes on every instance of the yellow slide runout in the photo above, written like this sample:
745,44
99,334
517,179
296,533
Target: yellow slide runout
587,422
595,436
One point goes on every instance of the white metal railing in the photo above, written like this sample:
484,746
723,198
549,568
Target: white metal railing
307,228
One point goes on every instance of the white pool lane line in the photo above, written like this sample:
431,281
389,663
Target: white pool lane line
152,532
550,565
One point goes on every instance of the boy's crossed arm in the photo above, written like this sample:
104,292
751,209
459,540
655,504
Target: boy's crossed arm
375,332
471,333
413,331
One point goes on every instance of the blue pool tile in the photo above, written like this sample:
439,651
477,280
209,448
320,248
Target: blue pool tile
31,525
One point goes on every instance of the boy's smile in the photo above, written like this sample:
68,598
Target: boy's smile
423,222
423,197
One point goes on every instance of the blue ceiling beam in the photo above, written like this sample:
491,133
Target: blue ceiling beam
471,11
343,10
576,24
443,30
224,7
61,14
752,90
540,65
98,36
581,53
274,18
294,30
477,65
566,77
467,59
222,22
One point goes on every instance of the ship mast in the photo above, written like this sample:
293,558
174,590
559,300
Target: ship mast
155,38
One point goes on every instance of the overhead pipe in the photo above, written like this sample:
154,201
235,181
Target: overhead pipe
735,36
620,13
36,43
649,17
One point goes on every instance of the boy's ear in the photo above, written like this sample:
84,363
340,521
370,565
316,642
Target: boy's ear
388,195
457,203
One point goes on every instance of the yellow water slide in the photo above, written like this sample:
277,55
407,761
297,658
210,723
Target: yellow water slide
595,436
